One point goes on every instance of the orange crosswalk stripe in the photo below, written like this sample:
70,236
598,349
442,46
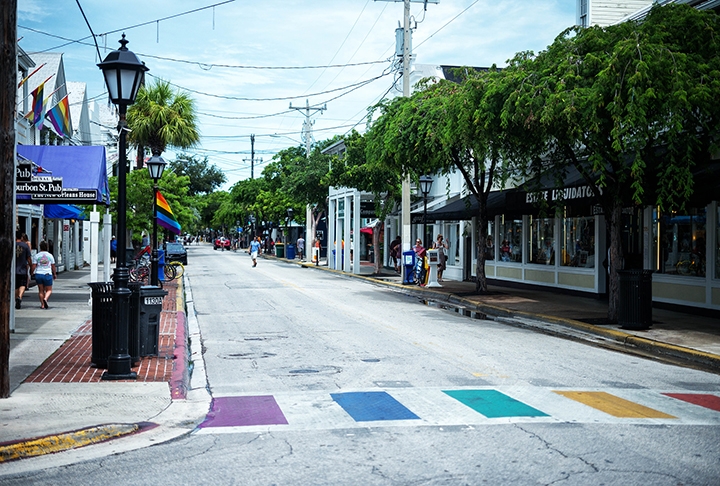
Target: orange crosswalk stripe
613,405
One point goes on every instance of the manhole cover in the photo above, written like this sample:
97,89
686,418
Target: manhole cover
312,370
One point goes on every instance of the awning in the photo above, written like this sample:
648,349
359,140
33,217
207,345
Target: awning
466,208
62,174
63,211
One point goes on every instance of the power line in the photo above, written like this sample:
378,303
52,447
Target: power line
203,65
285,98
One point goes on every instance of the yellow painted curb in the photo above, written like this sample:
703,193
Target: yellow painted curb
63,442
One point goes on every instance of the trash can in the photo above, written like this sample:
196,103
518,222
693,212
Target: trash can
291,252
408,266
635,299
134,319
279,250
161,265
150,309
102,315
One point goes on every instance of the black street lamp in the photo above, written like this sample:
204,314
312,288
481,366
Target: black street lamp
156,166
123,73
425,186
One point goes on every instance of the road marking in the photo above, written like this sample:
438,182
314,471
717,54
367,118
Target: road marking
614,405
493,404
244,411
372,406
704,400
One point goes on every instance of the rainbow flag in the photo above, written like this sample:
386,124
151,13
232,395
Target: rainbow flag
165,216
59,116
37,114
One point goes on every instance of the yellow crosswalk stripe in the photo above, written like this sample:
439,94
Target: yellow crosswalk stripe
613,405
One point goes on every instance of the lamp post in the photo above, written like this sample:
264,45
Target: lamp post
156,166
123,73
425,186
290,212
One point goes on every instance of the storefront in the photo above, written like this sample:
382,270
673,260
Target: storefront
558,238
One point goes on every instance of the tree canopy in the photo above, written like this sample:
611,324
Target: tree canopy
204,177
160,117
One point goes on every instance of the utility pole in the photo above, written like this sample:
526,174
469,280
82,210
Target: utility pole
307,125
406,55
8,94
252,157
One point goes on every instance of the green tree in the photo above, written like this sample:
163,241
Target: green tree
447,127
632,107
160,118
204,177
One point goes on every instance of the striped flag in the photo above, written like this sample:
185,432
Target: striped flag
37,114
165,216
59,116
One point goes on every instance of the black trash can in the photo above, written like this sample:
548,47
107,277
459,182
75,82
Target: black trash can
102,316
635,302
134,331
150,308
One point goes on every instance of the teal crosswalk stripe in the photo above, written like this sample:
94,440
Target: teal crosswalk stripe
493,404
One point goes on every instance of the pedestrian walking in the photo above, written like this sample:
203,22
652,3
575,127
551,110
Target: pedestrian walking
113,249
396,252
441,246
23,262
301,247
43,266
254,249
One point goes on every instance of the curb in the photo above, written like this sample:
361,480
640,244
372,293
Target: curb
51,444
629,342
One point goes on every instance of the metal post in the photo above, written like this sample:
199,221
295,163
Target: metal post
154,255
119,361
425,220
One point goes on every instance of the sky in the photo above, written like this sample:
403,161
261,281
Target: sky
246,62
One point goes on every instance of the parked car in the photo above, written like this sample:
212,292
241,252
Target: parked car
221,242
175,252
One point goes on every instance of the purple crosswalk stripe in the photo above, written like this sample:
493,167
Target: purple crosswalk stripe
244,411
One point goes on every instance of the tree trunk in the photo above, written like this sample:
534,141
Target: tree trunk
8,92
615,260
481,279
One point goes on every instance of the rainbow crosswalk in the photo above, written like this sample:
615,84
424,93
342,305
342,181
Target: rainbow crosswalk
460,406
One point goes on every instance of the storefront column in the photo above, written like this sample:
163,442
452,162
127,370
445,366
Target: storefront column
347,225
107,237
332,232
357,216
76,244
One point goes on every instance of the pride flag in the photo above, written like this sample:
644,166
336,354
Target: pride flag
165,216
59,116
37,113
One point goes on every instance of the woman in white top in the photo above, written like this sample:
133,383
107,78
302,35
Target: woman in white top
43,266
441,245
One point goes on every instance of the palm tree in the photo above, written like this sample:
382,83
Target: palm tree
161,117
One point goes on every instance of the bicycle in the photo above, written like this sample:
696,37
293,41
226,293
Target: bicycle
174,270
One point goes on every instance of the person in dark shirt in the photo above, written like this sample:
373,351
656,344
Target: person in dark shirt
23,262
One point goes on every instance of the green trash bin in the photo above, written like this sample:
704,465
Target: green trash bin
279,250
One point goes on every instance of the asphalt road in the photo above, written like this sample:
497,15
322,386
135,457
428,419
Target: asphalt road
322,379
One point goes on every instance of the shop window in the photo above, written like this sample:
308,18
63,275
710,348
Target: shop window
578,242
682,243
510,240
490,242
541,248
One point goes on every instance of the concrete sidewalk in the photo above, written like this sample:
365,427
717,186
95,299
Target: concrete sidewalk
58,401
